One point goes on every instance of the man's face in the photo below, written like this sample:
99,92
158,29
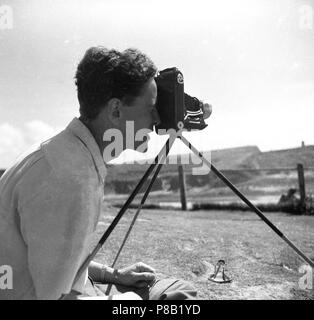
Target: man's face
141,113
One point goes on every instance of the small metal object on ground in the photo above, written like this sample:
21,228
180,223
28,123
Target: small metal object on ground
219,275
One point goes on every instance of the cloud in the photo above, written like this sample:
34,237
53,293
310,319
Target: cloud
11,139
38,130
15,140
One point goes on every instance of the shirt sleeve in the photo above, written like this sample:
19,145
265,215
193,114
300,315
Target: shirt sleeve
56,224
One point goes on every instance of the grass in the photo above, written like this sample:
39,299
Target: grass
187,245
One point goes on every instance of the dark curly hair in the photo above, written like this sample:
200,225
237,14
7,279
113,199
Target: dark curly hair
103,74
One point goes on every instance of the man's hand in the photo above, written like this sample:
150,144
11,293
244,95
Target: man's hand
137,275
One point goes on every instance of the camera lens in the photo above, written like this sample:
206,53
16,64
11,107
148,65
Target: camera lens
207,110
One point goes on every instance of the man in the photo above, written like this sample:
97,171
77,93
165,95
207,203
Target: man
51,198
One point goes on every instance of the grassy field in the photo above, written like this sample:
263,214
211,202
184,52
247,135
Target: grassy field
188,244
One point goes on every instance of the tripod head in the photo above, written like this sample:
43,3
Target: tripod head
177,109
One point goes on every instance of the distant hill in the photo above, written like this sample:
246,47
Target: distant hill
288,158
247,157
233,158
250,157
124,177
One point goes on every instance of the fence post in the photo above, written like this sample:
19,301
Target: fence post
301,185
182,186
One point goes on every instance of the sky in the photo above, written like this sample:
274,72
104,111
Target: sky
253,60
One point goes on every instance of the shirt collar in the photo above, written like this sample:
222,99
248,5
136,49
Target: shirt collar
83,133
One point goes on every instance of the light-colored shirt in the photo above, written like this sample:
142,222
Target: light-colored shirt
50,202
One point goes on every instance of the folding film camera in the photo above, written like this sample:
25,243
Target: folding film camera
178,110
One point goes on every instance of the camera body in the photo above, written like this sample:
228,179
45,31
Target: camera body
177,110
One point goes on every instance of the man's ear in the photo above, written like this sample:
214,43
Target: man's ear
114,110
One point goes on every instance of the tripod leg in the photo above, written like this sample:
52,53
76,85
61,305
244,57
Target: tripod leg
164,151
248,202
163,158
